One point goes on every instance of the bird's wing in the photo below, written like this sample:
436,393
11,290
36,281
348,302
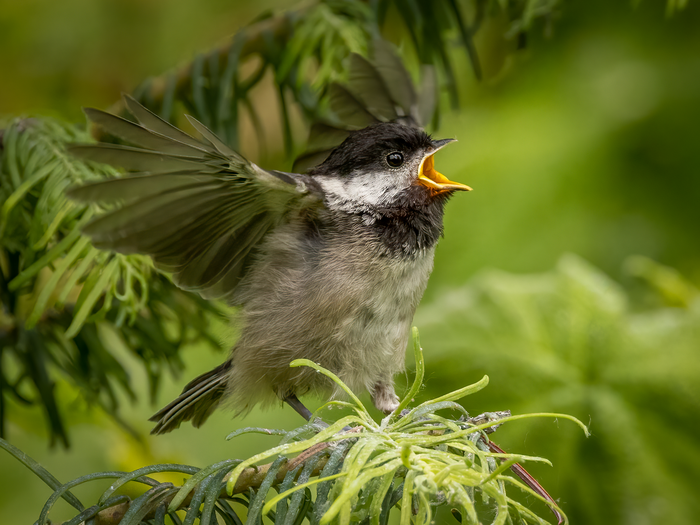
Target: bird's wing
196,207
378,90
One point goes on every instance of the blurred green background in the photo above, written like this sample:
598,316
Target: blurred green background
585,143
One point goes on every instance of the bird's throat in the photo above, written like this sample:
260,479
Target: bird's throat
410,227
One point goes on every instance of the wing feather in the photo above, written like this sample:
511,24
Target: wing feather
377,90
135,134
138,159
348,108
214,140
428,99
158,215
153,122
366,83
129,189
396,78
198,208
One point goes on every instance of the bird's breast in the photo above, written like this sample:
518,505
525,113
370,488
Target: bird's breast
333,295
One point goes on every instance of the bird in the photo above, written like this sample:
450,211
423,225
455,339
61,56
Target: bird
328,263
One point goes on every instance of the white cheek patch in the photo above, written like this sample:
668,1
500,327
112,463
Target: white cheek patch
372,189
360,191
333,188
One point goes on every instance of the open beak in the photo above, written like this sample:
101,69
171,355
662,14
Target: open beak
436,181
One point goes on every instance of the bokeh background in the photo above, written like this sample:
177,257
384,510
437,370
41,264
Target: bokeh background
568,276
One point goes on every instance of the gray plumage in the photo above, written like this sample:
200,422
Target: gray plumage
327,266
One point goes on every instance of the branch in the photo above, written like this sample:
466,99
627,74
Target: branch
255,39
412,457
254,477
250,478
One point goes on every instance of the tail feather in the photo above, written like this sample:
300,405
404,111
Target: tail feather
198,400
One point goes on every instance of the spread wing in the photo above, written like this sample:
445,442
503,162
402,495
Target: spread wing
198,208
380,90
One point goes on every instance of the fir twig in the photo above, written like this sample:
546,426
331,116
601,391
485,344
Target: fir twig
427,459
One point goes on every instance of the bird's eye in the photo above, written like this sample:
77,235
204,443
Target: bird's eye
394,159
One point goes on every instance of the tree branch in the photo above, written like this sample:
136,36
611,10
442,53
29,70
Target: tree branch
249,478
253,477
256,39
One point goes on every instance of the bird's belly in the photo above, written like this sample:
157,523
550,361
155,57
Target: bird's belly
374,329
351,315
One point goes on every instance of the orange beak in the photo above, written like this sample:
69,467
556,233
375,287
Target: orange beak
429,177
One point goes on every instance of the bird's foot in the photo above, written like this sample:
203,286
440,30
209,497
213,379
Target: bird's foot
384,397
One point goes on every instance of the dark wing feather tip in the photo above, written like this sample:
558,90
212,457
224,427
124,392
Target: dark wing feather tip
377,90
192,204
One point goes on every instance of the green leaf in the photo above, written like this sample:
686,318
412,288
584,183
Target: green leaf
42,473
42,302
93,289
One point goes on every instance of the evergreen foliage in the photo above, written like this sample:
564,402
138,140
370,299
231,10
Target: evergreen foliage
573,340
63,300
60,294
306,49
355,470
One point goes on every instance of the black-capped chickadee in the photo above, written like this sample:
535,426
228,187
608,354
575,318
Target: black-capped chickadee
328,265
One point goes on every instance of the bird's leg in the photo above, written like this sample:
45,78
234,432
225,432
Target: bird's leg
293,401
384,397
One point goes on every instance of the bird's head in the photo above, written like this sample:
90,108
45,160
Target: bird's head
381,164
